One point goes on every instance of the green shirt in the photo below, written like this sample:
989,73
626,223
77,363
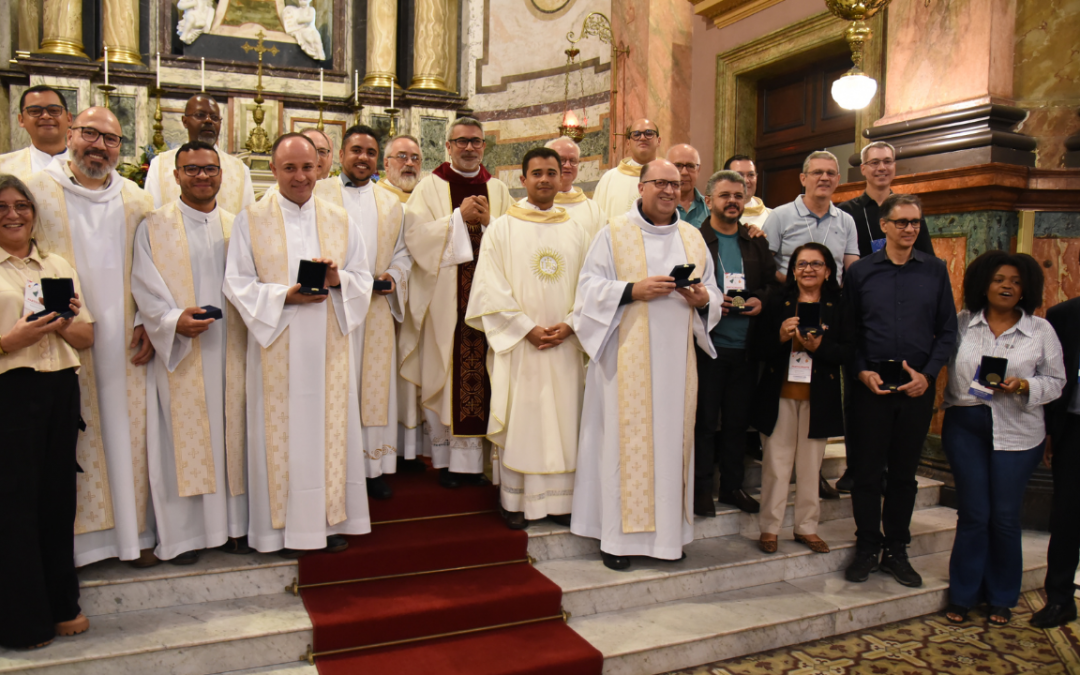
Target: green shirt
698,213
730,333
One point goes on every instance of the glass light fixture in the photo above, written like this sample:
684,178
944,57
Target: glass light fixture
854,90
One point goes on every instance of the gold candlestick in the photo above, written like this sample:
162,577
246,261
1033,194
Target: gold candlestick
358,108
393,113
159,137
257,141
322,107
105,89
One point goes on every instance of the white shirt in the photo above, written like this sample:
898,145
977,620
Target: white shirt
40,159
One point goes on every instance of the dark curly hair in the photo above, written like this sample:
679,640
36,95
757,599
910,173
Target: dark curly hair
831,285
981,272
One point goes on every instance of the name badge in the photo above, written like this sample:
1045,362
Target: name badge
800,367
33,300
877,244
979,391
734,281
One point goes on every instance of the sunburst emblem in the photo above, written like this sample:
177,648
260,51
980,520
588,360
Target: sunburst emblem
548,265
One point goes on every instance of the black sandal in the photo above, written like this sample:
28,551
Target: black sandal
1001,613
958,610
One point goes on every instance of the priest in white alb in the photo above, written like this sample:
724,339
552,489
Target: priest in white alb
379,214
634,486
582,210
44,115
195,423
89,215
305,464
202,120
617,190
522,298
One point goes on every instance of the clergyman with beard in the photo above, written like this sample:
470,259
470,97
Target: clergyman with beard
402,160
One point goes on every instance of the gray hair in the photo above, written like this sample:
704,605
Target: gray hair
819,154
329,141
8,180
552,142
463,122
876,144
406,137
733,176
897,199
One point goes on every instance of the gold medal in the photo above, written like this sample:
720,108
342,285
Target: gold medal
738,302
993,378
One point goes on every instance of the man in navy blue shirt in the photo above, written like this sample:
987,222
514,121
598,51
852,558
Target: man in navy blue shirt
900,308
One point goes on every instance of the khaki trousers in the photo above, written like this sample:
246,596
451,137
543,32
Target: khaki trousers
789,447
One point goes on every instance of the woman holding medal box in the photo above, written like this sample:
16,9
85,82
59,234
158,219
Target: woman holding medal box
994,430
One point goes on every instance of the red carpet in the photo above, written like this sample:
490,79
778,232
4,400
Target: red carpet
414,606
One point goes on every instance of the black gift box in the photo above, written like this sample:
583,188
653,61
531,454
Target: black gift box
56,296
681,274
312,277
892,374
992,371
209,312
381,285
809,314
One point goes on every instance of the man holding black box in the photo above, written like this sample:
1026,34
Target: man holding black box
900,308
746,270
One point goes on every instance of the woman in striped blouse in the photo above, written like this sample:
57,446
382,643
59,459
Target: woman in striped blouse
994,435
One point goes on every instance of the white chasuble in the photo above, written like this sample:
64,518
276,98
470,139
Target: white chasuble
305,448
526,276
236,190
195,393
94,230
634,485
582,210
379,214
617,189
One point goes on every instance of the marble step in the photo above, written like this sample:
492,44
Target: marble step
721,564
298,668
707,628
549,541
201,639
112,586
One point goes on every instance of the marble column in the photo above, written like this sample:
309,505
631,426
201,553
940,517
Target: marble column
381,43
29,18
121,31
430,51
62,28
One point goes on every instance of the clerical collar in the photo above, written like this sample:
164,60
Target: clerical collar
529,205
195,214
674,216
631,162
66,166
292,207
347,182
465,174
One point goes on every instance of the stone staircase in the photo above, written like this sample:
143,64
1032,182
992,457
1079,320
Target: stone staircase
231,614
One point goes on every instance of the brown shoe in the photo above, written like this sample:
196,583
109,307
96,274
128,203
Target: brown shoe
146,559
816,545
79,624
768,545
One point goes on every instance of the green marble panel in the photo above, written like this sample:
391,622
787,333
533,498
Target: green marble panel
123,106
1057,224
509,154
985,230
433,141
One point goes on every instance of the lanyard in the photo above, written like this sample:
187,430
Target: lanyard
866,218
828,231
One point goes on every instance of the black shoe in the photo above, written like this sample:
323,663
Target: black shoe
515,520
827,491
472,479
378,488
236,546
704,506
615,562
336,543
1054,615
846,483
185,558
411,465
562,519
291,553
896,563
860,568
742,500
449,480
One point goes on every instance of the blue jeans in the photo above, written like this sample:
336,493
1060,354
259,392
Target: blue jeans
987,561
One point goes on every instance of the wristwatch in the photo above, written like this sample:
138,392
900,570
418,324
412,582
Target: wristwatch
1024,387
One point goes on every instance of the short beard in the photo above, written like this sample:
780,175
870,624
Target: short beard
89,171
406,183
208,137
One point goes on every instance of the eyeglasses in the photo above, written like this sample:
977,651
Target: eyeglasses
38,110
688,167
323,152
193,170
463,143
570,160
812,264
202,116
662,184
875,163
818,173
21,208
90,135
405,157
904,224
647,134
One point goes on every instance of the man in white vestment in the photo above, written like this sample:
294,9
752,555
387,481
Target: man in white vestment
305,445
89,215
581,209
522,297
618,187
445,221
756,213
324,147
634,485
202,120
379,214
44,114
195,419
402,160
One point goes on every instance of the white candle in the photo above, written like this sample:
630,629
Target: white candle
202,73
159,70
106,66
391,93
320,85
356,87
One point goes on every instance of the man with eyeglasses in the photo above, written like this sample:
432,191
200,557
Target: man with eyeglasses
89,215
899,307
195,383
325,148
402,161
813,218
379,214
202,120
582,210
755,212
692,206
43,113
445,220
618,187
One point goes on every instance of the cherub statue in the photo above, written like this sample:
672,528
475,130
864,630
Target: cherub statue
198,18
300,23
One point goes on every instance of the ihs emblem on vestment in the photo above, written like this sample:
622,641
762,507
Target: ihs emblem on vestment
548,265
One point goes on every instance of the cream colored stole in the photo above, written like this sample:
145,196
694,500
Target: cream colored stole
192,447
269,248
230,196
394,190
628,169
377,365
573,196
17,163
94,510
635,380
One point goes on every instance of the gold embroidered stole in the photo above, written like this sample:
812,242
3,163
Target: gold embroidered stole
192,447
574,196
230,196
636,456
393,189
625,167
18,163
556,214
94,511
270,251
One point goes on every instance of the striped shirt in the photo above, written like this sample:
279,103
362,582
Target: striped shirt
1034,354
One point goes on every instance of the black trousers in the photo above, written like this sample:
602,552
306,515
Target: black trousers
885,432
39,415
725,389
1064,552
